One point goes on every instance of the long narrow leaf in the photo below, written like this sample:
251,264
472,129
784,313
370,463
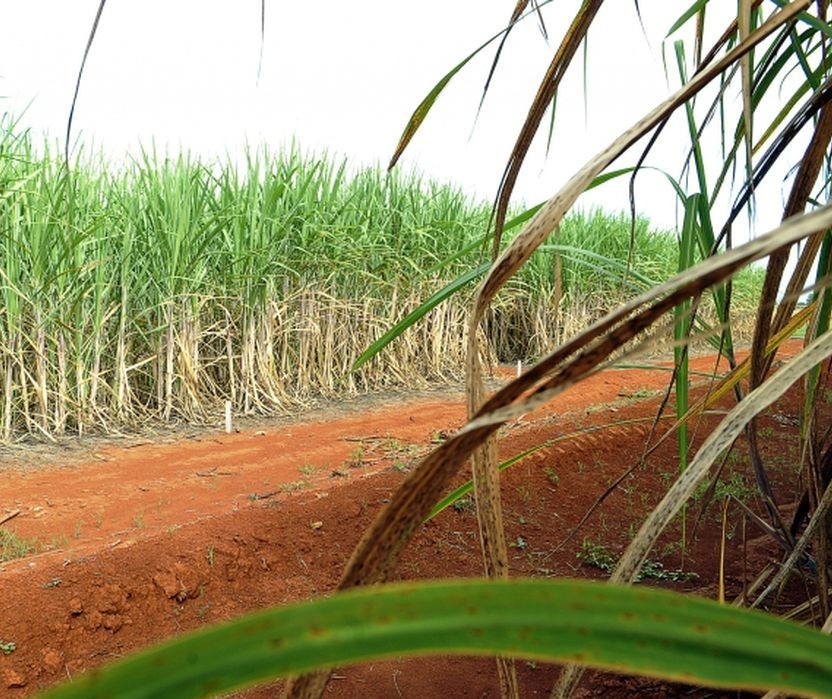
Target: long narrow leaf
425,308
686,15
650,632
427,103
467,487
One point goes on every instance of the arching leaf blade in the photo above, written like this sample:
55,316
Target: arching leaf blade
418,313
635,629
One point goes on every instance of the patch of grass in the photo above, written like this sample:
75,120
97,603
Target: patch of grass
655,570
465,504
671,547
58,542
551,475
7,647
12,546
736,486
307,470
356,457
294,486
598,556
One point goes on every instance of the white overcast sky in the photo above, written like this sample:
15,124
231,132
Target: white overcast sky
343,77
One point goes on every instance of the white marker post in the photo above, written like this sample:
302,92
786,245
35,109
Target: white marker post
519,367
228,416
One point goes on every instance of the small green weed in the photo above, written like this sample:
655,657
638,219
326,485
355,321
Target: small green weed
396,448
356,457
7,647
294,486
736,486
12,546
465,504
551,475
58,542
654,570
598,556
439,436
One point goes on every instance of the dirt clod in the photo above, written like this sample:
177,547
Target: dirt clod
13,679
179,582
52,659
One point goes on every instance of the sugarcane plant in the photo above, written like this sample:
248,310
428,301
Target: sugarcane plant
629,629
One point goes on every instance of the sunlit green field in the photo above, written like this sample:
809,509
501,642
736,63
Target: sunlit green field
160,288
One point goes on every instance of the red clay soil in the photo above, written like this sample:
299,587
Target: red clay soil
138,543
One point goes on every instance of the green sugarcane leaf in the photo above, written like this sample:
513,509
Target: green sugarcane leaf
686,15
463,490
463,280
444,293
634,629
427,103
418,313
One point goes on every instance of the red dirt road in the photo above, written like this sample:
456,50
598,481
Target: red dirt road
140,543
